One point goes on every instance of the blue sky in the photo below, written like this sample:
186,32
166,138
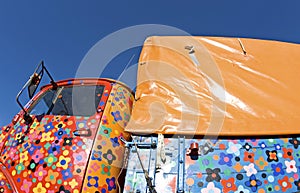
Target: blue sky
62,32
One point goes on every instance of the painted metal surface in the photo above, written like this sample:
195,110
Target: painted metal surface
50,154
226,165
4,183
106,162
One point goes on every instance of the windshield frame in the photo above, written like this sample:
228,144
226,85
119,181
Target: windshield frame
106,83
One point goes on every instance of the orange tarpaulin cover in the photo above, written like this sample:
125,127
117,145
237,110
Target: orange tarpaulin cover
217,86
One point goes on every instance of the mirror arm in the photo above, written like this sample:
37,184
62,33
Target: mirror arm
52,80
54,85
27,117
48,73
36,77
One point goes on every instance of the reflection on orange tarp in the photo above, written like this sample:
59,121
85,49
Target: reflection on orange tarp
217,86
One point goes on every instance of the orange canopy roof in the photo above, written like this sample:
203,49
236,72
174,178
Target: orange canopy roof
217,86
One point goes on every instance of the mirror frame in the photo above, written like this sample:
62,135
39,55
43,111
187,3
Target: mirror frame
32,85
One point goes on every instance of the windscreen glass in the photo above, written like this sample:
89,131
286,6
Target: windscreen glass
72,101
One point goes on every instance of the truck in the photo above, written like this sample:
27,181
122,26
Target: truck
209,114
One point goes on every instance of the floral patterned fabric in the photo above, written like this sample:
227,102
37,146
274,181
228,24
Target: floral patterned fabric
238,165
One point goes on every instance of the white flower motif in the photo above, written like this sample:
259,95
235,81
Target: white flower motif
234,148
210,188
291,166
250,169
242,189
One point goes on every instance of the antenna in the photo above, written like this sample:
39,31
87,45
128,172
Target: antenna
130,60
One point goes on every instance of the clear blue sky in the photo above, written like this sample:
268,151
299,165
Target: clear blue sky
62,32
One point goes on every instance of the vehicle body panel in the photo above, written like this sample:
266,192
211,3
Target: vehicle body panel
228,165
55,152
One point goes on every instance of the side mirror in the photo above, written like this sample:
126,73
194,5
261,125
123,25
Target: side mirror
32,85
34,82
